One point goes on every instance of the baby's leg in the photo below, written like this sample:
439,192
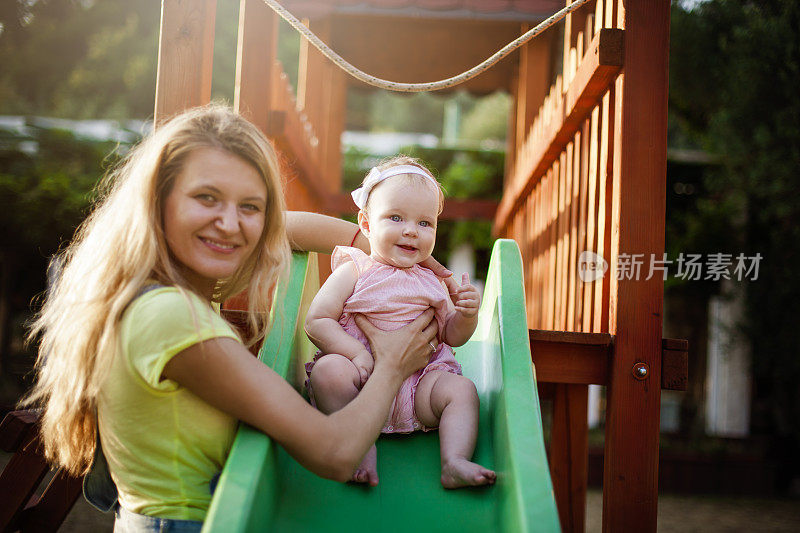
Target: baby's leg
451,402
335,381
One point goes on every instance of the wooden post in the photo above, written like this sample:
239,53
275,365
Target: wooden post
255,62
185,56
333,126
533,82
630,484
569,454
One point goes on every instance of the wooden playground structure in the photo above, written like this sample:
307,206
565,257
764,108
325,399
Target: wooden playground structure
585,171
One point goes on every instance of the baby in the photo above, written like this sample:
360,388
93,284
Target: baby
399,204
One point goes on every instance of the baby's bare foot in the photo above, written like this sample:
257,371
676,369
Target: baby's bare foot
367,471
462,473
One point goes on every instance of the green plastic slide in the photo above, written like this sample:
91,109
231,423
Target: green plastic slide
263,489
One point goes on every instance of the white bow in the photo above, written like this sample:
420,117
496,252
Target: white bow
375,176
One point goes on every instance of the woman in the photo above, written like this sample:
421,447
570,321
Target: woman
132,345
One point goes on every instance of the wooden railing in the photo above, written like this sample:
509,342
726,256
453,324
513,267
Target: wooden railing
21,508
585,180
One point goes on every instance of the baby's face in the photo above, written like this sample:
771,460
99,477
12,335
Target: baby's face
401,224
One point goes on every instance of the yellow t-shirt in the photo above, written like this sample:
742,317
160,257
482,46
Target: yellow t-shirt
163,444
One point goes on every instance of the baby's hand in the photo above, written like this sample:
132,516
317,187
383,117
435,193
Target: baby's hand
364,364
466,297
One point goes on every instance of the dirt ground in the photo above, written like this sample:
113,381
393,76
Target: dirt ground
711,514
676,514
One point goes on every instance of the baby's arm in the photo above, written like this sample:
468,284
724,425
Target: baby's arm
463,319
322,321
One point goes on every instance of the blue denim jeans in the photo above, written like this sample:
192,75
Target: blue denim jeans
128,522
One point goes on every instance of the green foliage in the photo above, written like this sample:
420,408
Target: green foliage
734,78
488,119
79,59
46,180
45,195
98,59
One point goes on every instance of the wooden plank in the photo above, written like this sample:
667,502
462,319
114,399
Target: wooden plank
572,259
583,358
20,478
15,429
313,89
680,345
565,235
569,454
565,67
599,11
564,362
537,258
255,62
578,339
408,46
674,369
630,481
48,512
552,211
333,125
560,310
591,217
291,142
602,297
185,56
582,159
595,74
533,80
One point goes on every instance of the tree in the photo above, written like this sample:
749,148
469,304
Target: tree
734,78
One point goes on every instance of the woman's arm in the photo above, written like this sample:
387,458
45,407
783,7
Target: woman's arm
224,374
312,232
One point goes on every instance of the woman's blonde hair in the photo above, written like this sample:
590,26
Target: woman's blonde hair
117,249
396,161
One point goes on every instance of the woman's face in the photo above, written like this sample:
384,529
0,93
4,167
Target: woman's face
214,216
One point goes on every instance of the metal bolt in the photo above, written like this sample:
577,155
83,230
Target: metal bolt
640,370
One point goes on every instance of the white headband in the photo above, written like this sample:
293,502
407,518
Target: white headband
375,176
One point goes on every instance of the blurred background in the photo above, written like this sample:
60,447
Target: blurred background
77,85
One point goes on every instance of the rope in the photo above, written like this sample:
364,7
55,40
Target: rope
420,87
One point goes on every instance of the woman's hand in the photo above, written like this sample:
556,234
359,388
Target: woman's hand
407,348
437,268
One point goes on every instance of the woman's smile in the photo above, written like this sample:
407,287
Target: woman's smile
214,216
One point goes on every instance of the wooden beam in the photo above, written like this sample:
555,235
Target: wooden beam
286,131
185,56
674,364
571,357
533,80
415,49
569,454
255,62
630,477
48,511
24,471
596,73
584,358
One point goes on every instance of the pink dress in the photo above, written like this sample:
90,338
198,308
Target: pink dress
390,298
